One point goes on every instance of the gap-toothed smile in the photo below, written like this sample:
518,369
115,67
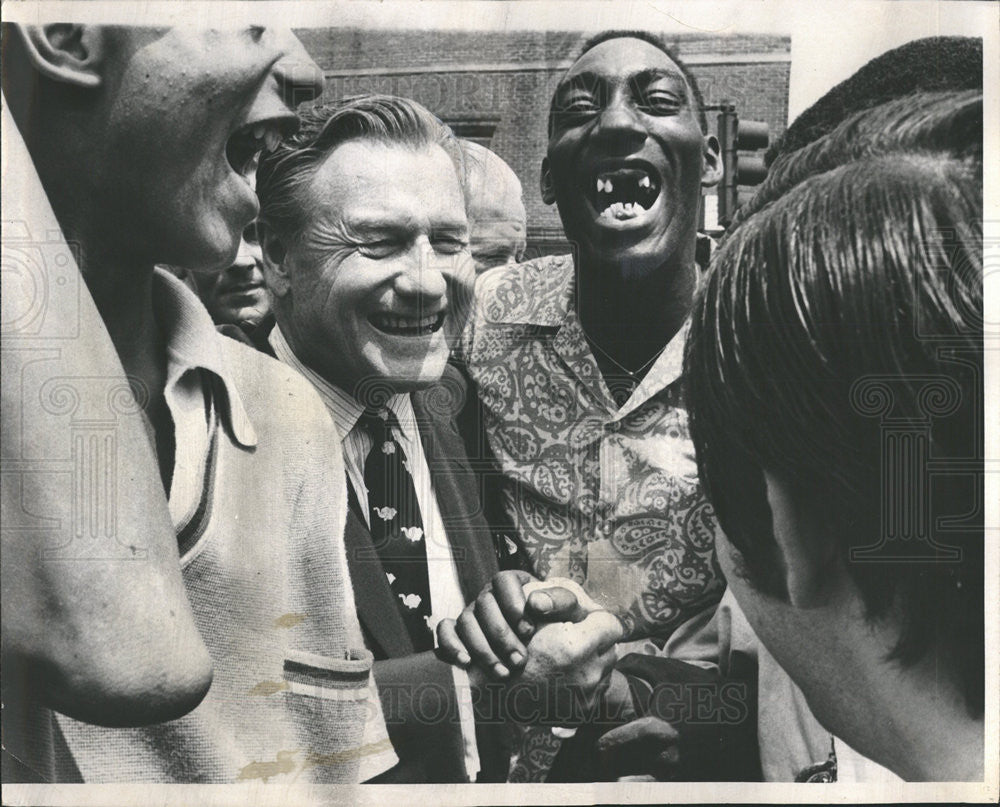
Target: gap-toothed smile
624,193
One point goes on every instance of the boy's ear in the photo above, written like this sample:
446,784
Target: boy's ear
66,52
545,183
808,556
711,173
274,253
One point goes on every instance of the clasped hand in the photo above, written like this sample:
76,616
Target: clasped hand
548,642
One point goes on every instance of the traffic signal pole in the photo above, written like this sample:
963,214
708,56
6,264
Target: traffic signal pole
737,135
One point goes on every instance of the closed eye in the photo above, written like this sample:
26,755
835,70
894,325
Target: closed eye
580,105
660,103
449,245
379,249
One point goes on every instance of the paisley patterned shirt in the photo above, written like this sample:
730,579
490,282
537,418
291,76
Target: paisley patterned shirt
604,494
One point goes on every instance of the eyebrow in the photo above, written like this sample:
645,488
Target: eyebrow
644,76
366,225
653,73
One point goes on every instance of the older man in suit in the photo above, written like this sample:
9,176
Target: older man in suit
365,241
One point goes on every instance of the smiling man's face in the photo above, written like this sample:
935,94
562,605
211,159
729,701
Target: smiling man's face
626,157
379,278
187,112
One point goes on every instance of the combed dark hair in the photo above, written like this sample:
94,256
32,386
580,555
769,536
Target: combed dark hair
854,290
283,174
932,121
652,39
932,64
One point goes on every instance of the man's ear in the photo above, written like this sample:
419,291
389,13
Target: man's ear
807,554
711,173
66,52
274,253
545,183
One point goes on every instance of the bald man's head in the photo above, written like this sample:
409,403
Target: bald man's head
497,218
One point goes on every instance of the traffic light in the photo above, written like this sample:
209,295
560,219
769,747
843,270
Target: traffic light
737,135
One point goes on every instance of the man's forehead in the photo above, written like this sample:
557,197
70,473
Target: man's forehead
371,183
622,57
372,161
492,188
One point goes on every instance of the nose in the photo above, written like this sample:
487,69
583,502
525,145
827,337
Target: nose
299,77
248,257
619,124
423,275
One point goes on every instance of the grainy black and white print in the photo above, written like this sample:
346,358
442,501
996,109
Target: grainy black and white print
500,402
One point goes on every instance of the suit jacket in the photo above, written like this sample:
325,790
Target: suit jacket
417,690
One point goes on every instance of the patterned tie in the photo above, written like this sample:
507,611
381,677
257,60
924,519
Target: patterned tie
396,526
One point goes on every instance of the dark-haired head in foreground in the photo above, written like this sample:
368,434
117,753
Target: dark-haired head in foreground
934,64
835,355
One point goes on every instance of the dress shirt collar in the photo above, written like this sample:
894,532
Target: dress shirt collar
343,408
192,343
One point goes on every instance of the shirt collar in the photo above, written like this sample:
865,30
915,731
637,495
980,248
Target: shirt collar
538,292
192,343
343,408
664,372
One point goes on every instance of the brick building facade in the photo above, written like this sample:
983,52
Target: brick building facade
495,86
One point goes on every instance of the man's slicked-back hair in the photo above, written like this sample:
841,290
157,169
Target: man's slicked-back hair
849,300
284,173
696,97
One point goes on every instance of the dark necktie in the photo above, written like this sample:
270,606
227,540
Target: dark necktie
397,528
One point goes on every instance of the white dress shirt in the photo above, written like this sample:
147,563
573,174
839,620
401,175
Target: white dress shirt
447,600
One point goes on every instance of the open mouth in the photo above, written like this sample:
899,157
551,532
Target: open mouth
624,193
396,325
246,144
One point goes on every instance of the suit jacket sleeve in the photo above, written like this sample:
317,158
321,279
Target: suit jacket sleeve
419,701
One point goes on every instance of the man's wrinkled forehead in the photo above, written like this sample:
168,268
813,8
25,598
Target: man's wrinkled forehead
622,58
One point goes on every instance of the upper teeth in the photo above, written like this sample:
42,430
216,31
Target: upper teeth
268,136
605,184
407,322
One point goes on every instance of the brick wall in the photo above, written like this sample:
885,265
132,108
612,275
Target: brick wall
500,83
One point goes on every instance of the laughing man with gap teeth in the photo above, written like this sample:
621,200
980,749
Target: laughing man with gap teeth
577,360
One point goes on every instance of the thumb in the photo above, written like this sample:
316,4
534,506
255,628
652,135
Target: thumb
554,604
602,630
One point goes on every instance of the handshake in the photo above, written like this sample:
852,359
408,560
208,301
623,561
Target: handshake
548,643
549,651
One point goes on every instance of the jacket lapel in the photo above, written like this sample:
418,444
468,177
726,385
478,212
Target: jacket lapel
457,490
377,608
